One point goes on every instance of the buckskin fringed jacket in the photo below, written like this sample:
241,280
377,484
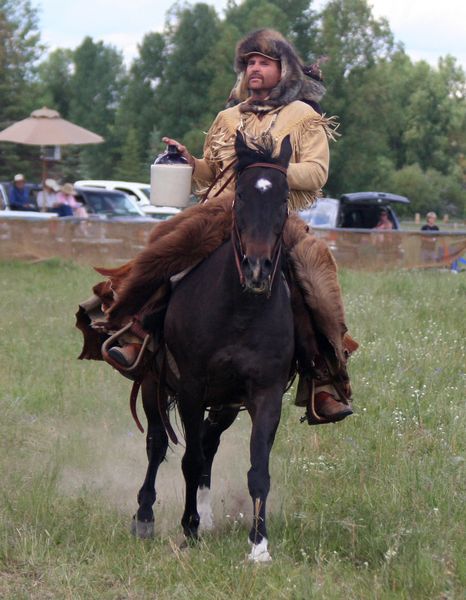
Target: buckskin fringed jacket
309,133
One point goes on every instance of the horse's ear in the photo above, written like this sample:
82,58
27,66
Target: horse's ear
240,145
285,152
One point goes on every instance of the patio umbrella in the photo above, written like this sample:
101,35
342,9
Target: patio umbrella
45,127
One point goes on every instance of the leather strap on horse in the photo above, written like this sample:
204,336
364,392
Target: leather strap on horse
275,166
219,176
132,404
163,408
236,241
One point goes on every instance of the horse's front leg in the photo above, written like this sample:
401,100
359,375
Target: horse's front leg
217,421
265,410
156,446
192,414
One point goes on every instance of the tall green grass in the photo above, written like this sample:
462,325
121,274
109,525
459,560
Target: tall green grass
370,508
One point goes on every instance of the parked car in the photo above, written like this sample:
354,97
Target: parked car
358,210
139,192
7,212
102,203
349,223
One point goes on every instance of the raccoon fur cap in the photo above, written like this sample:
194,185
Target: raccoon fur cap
294,83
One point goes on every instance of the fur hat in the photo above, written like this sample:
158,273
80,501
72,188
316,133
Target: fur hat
293,85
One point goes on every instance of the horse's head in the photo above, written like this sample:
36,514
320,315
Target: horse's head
260,211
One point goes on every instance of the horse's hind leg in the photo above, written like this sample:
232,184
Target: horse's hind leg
214,425
156,447
265,413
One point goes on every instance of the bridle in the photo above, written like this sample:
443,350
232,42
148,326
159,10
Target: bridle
236,237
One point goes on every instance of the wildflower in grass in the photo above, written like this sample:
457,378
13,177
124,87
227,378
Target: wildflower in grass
389,554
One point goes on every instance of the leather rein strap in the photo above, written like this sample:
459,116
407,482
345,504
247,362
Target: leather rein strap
236,234
266,165
219,176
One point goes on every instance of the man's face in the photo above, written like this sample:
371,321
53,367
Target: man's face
262,75
20,183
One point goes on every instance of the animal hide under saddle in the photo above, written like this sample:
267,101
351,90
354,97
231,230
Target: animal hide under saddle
188,238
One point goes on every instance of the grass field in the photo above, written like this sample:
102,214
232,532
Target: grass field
373,507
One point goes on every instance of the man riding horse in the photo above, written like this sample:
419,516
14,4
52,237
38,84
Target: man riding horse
272,99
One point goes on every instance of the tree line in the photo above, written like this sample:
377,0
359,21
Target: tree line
402,123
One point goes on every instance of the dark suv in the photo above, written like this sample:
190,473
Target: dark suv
358,210
348,226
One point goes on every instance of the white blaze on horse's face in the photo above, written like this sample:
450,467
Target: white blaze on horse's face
263,184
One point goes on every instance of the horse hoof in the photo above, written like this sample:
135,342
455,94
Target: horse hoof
259,552
143,530
188,542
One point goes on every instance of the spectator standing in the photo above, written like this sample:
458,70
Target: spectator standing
19,195
429,242
430,225
47,197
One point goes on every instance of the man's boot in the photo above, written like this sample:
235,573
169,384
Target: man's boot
322,402
125,356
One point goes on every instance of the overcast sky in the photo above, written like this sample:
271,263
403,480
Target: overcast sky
428,28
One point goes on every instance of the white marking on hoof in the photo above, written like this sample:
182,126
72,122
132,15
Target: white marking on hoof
259,552
204,508
263,184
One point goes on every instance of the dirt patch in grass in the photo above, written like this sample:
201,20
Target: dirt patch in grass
116,467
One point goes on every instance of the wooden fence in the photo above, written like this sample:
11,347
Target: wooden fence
110,243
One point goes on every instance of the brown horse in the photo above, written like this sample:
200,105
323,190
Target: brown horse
229,329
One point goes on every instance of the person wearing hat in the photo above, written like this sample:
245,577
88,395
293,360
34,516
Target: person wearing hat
67,205
47,197
273,97
19,195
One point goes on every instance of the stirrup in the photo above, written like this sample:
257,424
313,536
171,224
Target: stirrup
312,416
114,338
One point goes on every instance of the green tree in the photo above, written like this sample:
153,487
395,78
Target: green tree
255,14
430,190
129,167
436,117
355,43
302,27
182,93
20,48
138,109
55,74
96,88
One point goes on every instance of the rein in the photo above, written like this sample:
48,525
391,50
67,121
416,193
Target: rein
219,176
237,243
283,170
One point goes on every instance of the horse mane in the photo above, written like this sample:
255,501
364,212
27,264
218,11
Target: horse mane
257,151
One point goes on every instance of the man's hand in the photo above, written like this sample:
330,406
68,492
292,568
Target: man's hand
181,149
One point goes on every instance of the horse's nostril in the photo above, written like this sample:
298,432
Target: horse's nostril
267,265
